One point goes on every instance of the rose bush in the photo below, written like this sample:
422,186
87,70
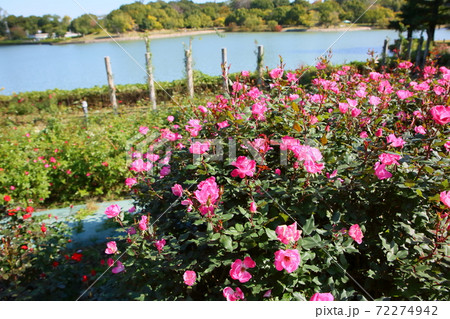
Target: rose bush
340,159
68,161
36,262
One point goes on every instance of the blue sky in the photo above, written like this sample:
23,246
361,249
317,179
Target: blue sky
65,7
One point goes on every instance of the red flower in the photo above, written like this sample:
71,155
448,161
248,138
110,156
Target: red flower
43,228
26,216
85,278
93,272
67,257
55,264
105,164
76,257
24,247
29,209
7,198
12,212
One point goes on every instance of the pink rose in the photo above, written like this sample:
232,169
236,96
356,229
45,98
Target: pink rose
363,134
245,167
258,110
239,269
405,65
170,118
374,100
253,207
130,181
381,172
119,268
313,167
288,259
232,295
189,277
111,248
343,107
177,190
143,222
389,159
245,73
164,171
322,297
404,94
447,146
223,124
143,130
287,234
355,112
207,195
159,244
356,233
276,73
445,198
194,127
441,114
199,148
112,211
420,130
292,77
395,141
379,132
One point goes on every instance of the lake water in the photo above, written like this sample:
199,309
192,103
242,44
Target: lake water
42,67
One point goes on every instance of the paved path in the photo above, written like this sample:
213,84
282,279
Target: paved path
94,228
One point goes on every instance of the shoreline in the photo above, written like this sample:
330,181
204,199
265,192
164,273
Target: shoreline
134,36
175,34
161,35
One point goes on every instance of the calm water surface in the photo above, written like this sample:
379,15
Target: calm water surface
42,67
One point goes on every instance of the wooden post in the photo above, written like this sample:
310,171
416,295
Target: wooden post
260,65
189,73
384,53
112,88
419,52
225,70
151,83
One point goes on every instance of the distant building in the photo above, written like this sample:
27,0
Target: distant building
39,36
71,34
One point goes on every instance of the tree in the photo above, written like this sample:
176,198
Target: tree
353,9
423,15
85,24
262,4
378,15
279,14
239,4
139,12
329,12
118,21
18,33
297,15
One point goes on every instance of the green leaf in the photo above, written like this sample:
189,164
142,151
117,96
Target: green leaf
309,242
271,234
402,254
309,226
227,242
390,256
